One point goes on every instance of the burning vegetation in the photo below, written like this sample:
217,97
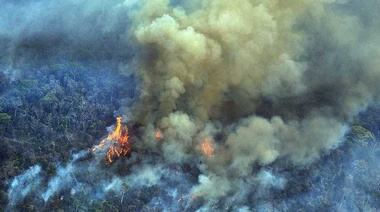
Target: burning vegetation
117,141
207,148
158,134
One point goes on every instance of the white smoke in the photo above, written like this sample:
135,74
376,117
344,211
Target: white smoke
23,184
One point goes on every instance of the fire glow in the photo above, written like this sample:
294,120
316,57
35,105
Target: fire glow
158,135
119,146
207,148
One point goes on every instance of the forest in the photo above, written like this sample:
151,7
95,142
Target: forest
205,105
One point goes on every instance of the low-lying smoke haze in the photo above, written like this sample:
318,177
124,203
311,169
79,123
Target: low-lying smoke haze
240,92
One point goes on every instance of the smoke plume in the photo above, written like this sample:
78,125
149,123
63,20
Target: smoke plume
267,81
238,90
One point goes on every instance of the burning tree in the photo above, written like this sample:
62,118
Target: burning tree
117,141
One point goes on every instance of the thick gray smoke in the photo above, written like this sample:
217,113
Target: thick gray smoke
237,88
277,81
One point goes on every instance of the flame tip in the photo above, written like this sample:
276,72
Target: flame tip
120,146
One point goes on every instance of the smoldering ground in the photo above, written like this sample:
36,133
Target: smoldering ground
268,84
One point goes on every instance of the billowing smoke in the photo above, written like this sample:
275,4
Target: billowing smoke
267,81
238,90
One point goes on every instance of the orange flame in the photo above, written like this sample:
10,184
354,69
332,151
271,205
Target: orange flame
207,148
120,146
158,134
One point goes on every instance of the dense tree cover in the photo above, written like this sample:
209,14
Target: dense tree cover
49,110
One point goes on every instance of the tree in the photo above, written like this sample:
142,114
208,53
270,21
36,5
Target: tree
3,82
5,120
